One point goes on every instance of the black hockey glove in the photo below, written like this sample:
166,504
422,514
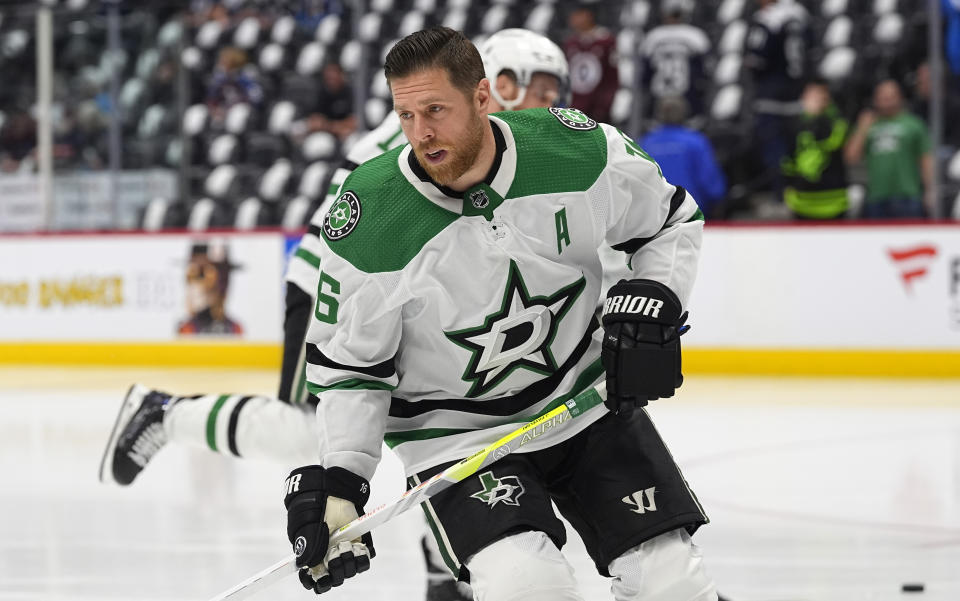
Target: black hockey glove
642,325
318,501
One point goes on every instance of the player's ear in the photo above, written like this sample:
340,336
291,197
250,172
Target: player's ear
482,95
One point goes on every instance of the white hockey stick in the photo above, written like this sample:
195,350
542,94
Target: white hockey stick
555,418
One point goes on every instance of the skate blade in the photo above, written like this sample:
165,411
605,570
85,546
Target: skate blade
127,409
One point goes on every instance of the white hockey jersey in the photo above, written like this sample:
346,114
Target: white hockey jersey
444,321
302,271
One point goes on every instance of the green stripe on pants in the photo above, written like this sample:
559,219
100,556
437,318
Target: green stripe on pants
212,421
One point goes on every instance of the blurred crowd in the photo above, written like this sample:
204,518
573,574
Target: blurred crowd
805,146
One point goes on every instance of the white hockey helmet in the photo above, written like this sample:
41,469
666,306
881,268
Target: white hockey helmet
524,53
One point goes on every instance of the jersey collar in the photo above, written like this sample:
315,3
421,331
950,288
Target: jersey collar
494,186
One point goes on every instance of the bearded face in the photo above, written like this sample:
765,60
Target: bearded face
445,125
445,160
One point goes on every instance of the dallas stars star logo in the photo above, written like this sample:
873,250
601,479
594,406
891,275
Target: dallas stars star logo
516,336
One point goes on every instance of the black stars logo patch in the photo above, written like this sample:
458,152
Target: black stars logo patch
518,335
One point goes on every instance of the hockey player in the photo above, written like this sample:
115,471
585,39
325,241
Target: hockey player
459,277
528,70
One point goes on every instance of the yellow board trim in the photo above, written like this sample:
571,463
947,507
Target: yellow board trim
823,362
730,361
173,354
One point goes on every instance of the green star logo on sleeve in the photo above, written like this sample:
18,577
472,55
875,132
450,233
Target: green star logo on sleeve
342,217
516,336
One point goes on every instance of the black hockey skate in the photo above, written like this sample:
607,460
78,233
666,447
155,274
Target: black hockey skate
136,437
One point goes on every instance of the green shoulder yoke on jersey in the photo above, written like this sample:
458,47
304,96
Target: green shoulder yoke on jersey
558,150
395,220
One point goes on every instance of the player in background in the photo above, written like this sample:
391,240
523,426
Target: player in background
463,273
674,60
527,70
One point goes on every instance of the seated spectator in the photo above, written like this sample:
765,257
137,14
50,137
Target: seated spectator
685,156
814,173
674,54
896,147
333,111
230,84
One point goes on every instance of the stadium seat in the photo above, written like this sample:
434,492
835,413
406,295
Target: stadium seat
884,7
494,19
455,19
224,149
412,21
247,216
247,34
378,85
350,56
838,32
195,119
730,10
238,118
425,6
328,29
222,182
208,35
295,213
319,145
622,106
889,29
283,30
381,6
953,167
728,69
153,121
370,26
374,110
626,42
207,213
272,58
636,13
732,39
837,64
170,34
312,181
274,181
311,58
727,103
833,8
539,18
281,117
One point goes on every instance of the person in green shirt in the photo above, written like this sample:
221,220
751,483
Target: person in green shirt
814,173
896,147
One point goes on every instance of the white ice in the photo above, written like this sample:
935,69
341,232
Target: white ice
819,490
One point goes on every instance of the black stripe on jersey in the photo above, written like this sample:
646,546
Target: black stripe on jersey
503,406
382,370
232,425
349,165
315,230
632,246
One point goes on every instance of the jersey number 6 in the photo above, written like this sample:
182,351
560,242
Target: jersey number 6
329,304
